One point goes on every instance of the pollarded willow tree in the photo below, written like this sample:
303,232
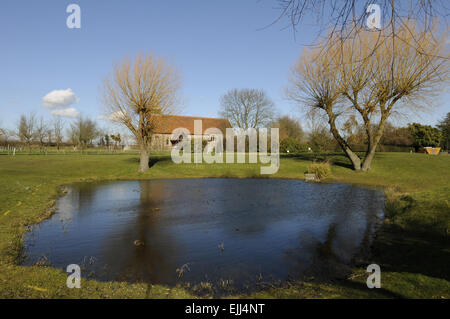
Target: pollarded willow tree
372,77
137,94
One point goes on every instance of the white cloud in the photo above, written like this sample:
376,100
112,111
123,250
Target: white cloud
70,112
59,98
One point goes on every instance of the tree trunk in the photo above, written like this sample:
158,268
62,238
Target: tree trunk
145,156
356,162
368,159
144,159
373,143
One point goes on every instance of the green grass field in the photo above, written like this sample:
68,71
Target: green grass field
412,247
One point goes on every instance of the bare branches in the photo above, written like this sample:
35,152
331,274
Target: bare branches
351,77
247,108
83,131
338,20
27,129
58,127
340,14
137,94
41,132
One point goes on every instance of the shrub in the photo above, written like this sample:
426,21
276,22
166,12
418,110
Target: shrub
290,144
425,135
320,170
303,148
321,140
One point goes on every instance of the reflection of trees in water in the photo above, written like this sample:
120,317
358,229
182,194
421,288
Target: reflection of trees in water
83,196
207,203
355,223
153,193
354,212
375,204
255,207
68,205
77,203
238,209
314,258
350,220
153,261
170,217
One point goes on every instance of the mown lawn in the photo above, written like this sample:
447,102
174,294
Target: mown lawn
412,247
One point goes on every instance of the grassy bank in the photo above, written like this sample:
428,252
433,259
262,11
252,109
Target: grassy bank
412,247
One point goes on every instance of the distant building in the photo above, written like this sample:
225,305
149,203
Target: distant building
162,137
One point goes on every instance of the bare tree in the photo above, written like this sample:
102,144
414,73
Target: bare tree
58,128
2,133
49,136
6,134
137,94
341,81
83,131
247,108
41,132
26,129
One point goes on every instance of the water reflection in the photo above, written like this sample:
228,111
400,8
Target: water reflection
245,230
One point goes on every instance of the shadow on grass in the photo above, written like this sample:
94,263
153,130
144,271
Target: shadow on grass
338,159
159,159
399,251
394,250
378,292
152,161
402,251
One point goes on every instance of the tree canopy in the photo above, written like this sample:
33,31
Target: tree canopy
369,78
425,135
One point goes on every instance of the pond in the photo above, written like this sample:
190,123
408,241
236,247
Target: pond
230,233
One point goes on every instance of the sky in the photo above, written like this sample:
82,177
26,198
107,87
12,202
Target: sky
217,45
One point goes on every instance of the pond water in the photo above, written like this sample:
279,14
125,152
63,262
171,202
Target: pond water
237,233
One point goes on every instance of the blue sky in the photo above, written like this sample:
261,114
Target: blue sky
217,46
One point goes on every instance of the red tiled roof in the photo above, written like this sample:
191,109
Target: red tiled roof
172,122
